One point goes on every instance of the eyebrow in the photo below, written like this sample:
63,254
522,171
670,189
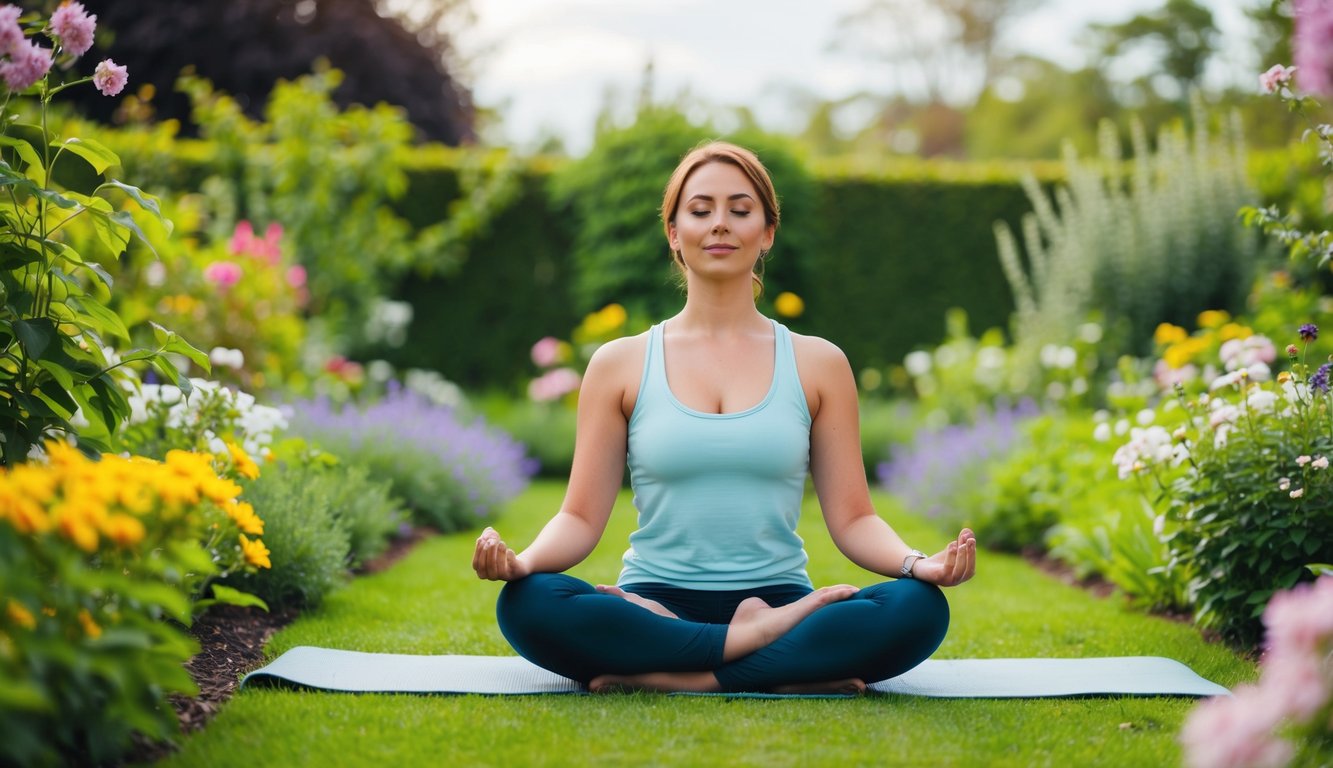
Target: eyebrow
709,198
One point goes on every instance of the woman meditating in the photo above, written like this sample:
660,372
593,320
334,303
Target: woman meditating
721,413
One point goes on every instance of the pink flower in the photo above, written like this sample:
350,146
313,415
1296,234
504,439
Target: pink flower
554,384
269,249
1276,77
28,63
1312,45
110,78
241,237
1297,620
223,274
546,352
74,26
296,276
1233,732
11,34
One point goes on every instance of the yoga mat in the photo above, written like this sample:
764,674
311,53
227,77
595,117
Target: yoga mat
353,671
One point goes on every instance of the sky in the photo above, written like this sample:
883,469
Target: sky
547,66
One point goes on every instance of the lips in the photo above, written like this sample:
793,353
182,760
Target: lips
719,248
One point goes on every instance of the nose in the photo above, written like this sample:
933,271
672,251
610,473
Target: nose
719,223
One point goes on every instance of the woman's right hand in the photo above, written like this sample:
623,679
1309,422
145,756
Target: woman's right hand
494,560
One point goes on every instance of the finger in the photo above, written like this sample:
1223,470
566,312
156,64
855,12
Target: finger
511,563
476,557
971,559
960,567
495,555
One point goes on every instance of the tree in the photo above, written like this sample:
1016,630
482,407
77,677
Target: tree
245,46
940,52
1182,34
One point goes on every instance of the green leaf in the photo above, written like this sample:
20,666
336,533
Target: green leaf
35,336
1320,569
172,342
149,202
108,321
231,596
115,407
95,153
112,234
101,273
124,219
35,170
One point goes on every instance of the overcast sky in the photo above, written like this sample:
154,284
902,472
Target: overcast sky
550,63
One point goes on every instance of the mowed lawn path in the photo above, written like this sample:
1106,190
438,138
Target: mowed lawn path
432,603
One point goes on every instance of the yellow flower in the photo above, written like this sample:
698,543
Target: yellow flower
26,515
255,552
90,627
789,304
604,321
245,465
1284,377
78,521
20,615
36,482
1213,318
1234,331
126,531
1167,333
243,514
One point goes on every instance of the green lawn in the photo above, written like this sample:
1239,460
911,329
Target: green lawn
431,603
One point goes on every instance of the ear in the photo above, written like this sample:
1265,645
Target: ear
673,240
770,233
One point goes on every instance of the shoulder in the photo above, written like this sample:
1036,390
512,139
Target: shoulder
615,370
818,354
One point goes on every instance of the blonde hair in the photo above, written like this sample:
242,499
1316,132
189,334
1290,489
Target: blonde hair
748,163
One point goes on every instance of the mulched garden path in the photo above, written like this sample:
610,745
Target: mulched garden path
231,643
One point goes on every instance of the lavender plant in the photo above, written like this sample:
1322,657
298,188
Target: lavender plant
451,471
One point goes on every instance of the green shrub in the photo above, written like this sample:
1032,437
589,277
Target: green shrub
308,547
365,508
547,429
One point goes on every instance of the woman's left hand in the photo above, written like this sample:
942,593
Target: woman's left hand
951,566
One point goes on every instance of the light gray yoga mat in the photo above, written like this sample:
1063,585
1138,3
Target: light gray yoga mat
353,671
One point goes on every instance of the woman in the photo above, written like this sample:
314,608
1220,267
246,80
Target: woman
721,412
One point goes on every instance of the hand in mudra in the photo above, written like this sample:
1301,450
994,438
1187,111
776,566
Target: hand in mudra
951,566
494,560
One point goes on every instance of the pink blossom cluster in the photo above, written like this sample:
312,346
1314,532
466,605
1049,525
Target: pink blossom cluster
1246,729
223,274
74,26
546,352
268,247
1312,45
554,384
24,62
110,78
1275,78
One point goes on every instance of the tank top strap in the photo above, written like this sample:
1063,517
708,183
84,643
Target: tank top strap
788,379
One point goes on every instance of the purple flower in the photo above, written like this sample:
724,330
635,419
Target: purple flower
110,78
1308,332
11,34
1312,45
1319,381
28,63
74,26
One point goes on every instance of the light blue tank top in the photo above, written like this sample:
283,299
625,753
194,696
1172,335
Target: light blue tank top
718,495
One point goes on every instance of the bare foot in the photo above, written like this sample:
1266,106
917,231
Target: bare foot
665,682
851,686
755,624
642,602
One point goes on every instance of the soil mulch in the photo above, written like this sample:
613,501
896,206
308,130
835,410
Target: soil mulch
231,643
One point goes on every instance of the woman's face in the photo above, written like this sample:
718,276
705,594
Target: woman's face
719,228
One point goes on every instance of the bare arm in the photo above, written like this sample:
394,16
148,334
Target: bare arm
594,480
840,480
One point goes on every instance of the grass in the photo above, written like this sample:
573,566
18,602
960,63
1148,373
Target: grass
431,603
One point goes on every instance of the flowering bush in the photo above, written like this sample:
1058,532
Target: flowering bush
1287,717
563,362
56,325
1238,474
211,419
94,555
450,471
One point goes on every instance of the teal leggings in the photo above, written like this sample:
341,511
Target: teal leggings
562,624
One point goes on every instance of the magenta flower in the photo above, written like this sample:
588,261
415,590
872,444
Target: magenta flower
1276,77
110,78
28,63
296,276
74,26
11,34
1312,45
223,274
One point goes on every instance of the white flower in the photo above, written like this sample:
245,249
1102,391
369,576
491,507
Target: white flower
1121,427
1179,434
1283,483
1158,525
1296,494
1227,414
1302,460
1054,356
990,357
1090,333
1100,415
1220,437
1261,400
227,358
917,363
1225,380
1145,417
1320,463
1102,433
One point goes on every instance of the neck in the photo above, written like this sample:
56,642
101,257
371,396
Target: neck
720,309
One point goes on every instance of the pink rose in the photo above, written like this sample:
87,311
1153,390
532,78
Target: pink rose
223,274
1312,45
74,26
110,78
11,34
554,384
546,352
1276,77
28,63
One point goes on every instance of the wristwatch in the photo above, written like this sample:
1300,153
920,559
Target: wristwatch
909,562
